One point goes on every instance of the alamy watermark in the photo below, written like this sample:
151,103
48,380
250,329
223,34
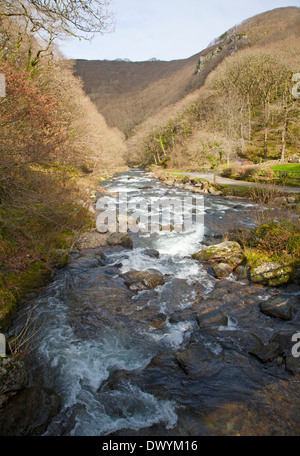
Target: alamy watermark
296,87
296,347
2,346
149,215
2,86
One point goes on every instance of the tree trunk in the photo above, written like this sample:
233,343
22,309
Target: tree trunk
266,130
283,137
242,130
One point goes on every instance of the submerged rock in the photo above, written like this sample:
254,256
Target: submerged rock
143,280
277,307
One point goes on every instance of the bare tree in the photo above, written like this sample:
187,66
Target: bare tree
48,20
60,19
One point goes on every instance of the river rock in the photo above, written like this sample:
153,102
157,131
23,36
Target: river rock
284,339
152,253
241,272
15,419
222,270
13,374
199,362
143,280
268,352
227,251
277,307
122,239
292,365
272,274
211,317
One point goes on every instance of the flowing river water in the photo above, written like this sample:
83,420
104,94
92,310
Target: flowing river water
113,355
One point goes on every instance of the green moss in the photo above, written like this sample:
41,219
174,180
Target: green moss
256,257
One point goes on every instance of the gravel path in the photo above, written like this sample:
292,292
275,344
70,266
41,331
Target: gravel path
223,180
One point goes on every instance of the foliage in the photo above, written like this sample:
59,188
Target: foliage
54,146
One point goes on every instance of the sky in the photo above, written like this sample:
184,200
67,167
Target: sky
166,29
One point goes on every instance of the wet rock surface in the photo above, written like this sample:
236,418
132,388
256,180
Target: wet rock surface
122,239
143,280
278,308
42,403
186,354
272,274
13,374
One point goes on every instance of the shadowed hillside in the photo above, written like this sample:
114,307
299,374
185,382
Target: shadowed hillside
127,93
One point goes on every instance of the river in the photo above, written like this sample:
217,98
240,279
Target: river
127,362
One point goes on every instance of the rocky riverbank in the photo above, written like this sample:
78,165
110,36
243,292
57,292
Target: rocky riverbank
157,335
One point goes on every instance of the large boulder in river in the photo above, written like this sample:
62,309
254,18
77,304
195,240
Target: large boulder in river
211,317
277,307
222,270
272,274
227,252
29,412
152,253
122,239
143,280
13,374
199,361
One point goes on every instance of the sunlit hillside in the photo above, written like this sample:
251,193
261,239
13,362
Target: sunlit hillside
127,93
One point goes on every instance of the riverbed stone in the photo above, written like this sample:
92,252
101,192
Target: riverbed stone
199,361
13,374
152,253
211,317
241,272
122,239
225,251
277,307
284,339
292,365
222,270
272,274
267,353
143,280
29,412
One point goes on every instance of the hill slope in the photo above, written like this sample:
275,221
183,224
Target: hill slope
127,93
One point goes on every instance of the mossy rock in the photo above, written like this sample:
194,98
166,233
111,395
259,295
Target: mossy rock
227,251
272,274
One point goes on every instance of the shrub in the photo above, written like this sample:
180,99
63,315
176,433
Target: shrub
269,173
231,171
250,172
